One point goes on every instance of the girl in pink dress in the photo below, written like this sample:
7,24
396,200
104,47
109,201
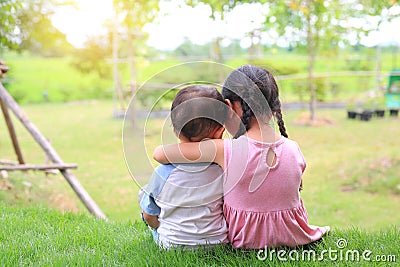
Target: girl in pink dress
263,168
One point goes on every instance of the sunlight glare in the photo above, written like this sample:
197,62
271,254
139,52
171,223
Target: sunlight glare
85,21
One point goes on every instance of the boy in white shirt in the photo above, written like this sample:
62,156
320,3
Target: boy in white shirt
182,204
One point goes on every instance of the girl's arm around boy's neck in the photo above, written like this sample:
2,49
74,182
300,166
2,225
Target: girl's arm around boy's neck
211,150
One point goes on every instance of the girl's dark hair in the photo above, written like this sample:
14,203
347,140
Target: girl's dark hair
197,110
244,85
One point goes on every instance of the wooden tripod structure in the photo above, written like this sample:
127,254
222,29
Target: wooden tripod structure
8,102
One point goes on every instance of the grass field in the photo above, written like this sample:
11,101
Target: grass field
352,176
32,77
35,79
43,237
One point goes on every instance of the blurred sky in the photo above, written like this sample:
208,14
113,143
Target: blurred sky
178,21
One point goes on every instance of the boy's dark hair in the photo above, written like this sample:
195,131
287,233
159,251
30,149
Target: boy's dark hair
244,85
197,110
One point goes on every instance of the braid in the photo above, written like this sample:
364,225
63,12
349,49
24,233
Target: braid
247,115
281,124
246,118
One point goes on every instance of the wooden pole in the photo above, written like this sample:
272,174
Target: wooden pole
25,167
51,153
8,162
11,130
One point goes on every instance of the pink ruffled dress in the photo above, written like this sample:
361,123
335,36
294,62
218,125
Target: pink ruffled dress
262,204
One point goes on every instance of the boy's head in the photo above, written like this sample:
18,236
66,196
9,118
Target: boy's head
198,112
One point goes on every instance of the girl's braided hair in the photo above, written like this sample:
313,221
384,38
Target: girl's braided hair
256,90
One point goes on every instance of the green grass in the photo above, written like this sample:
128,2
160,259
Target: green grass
42,237
31,76
342,152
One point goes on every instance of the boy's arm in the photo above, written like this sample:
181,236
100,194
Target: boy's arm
206,151
150,210
148,194
148,205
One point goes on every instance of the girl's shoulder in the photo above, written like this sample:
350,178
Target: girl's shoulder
291,143
246,141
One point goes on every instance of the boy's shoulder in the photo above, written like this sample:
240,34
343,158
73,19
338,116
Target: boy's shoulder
164,170
188,174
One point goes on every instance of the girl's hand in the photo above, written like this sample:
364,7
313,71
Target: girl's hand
159,155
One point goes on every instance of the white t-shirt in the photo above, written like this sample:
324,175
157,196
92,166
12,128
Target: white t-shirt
188,199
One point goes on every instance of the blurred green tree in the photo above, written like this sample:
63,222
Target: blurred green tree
38,34
130,18
8,29
323,24
315,24
26,25
189,49
92,57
